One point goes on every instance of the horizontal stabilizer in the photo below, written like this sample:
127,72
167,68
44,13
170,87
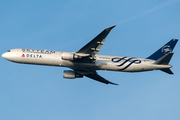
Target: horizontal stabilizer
165,59
167,70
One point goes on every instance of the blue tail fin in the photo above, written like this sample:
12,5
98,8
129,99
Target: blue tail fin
168,47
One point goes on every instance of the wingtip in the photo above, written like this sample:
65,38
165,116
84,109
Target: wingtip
113,83
113,26
109,28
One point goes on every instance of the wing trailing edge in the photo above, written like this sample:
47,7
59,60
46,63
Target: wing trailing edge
94,75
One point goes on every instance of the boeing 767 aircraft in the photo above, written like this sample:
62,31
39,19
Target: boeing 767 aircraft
85,61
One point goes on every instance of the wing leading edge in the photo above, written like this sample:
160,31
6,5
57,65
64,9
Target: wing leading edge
95,45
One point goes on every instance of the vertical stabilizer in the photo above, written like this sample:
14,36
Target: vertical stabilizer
168,47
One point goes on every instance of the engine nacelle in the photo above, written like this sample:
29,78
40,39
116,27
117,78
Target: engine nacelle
69,56
69,74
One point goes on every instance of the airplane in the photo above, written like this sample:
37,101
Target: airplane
86,61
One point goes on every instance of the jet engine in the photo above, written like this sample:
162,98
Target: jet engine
69,56
70,74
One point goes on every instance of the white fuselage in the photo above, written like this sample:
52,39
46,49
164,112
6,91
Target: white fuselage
102,62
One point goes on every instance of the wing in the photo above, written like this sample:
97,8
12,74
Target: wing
89,51
94,45
94,75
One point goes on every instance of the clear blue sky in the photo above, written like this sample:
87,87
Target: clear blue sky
29,92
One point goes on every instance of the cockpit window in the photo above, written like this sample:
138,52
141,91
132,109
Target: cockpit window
9,51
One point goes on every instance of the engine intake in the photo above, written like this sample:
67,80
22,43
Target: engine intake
70,74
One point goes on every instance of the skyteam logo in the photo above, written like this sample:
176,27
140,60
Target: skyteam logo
166,49
125,62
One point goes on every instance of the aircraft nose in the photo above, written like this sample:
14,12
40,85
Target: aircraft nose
5,55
